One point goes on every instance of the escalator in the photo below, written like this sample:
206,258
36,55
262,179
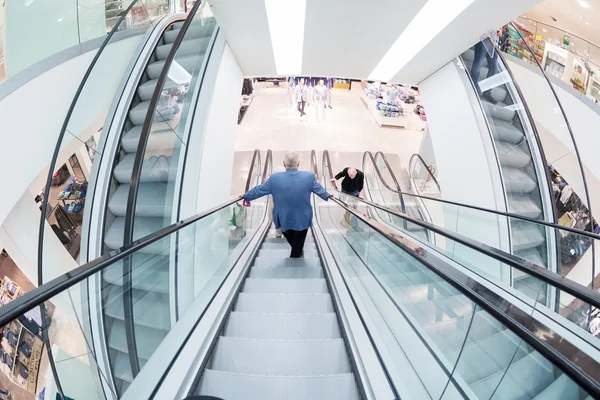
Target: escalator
263,326
282,335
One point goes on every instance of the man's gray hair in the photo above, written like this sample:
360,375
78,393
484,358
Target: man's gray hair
291,160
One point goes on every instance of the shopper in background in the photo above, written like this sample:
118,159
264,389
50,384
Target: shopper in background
352,184
301,92
504,38
329,84
321,94
292,211
485,50
353,181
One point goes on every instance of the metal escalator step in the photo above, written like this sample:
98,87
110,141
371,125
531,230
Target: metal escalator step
153,200
518,181
450,334
523,204
280,357
142,226
233,386
147,339
285,246
122,367
270,238
286,272
186,48
525,379
499,110
189,63
195,23
150,309
485,357
284,303
154,169
429,312
531,255
506,131
287,262
193,32
282,285
146,89
562,388
162,137
526,236
275,253
282,326
150,273
512,155
137,114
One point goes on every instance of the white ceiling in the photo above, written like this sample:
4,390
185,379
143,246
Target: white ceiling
570,15
347,38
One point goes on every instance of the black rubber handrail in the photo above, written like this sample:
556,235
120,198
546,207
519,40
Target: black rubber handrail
420,159
579,366
575,289
268,166
369,156
313,163
48,290
44,209
568,124
256,160
503,214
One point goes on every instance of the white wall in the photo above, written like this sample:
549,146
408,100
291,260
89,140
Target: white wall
465,171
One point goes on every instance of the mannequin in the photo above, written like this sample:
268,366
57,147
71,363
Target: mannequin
329,89
391,94
321,93
290,92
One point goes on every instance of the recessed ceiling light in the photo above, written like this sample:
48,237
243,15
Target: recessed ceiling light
584,4
427,24
287,34
587,22
544,29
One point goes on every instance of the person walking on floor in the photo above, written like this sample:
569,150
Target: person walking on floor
292,211
352,184
301,92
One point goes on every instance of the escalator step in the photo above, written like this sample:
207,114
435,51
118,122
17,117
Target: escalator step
287,262
280,253
286,272
274,285
271,357
284,303
233,386
282,326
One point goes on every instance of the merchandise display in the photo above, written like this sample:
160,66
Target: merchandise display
392,105
21,345
246,100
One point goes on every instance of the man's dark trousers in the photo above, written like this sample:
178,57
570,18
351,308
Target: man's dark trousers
296,240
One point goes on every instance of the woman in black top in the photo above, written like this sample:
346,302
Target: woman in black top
353,181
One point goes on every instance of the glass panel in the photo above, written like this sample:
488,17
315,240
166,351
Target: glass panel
159,282
73,172
47,28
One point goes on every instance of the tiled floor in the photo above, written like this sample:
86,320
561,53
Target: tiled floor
347,132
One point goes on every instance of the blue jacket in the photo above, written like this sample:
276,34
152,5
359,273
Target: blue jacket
291,192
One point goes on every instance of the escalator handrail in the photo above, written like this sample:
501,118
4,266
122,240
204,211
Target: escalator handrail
313,163
502,213
147,126
251,173
268,171
62,133
368,155
568,124
48,290
575,289
419,158
580,367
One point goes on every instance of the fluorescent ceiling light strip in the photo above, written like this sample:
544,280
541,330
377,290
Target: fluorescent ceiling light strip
427,24
286,26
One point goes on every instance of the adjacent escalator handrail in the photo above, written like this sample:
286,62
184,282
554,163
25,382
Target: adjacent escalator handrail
369,156
268,167
251,173
503,214
580,367
313,163
420,159
573,288
568,124
147,126
48,290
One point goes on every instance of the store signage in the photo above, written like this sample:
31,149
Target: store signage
566,40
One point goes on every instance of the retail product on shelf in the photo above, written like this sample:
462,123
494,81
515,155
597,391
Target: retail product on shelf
389,110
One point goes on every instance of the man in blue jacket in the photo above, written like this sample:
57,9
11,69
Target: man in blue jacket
292,211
